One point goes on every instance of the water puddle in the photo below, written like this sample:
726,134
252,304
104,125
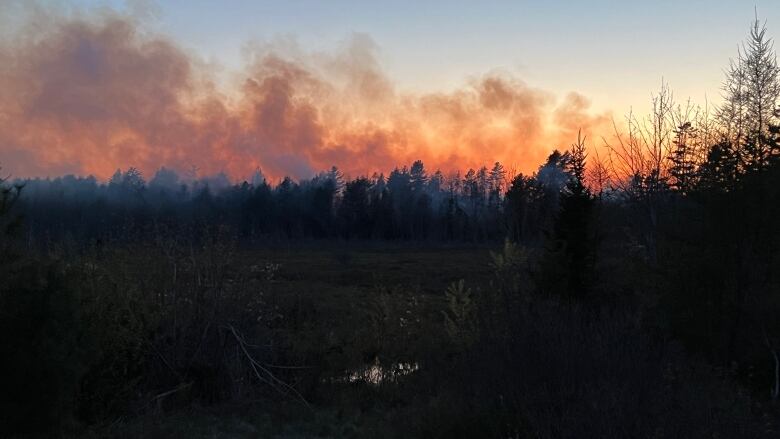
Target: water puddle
376,374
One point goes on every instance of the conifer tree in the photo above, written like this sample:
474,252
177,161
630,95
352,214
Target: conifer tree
573,224
683,161
751,94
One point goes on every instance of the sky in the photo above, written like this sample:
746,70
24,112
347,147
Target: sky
616,52
293,87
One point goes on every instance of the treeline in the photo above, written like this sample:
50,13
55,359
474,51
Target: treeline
407,204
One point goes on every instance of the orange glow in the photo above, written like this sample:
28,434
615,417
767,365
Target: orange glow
88,96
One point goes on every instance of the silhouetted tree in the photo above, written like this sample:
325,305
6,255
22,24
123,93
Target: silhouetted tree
418,178
751,93
568,265
354,209
522,206
683,167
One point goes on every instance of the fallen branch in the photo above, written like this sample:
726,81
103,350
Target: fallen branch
178,388
159,398
263,374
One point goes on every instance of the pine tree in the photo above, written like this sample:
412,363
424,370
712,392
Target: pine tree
751,94
720,171
521,205
338,178
496,179
417,176
258,178
761,72
683,161
573,224
436,182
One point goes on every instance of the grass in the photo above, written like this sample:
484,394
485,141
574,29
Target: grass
342,288
430,270
540,368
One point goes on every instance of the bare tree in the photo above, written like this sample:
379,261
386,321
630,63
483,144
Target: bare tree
638,160
642,152
598,175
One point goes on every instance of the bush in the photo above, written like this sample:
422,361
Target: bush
43,347
553,368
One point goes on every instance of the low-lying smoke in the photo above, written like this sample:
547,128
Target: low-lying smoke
91,93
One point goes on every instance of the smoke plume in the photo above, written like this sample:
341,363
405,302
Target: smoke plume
90,93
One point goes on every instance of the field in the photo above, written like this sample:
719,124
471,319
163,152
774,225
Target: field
341,304
340,340
354,269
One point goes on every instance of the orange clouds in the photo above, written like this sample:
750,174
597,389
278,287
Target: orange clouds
89,95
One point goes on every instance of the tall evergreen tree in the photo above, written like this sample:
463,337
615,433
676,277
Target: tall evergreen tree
418,177
572,231
751,93
683,161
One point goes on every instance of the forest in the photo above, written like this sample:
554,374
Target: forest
629,287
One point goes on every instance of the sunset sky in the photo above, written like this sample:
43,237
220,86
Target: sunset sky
597,59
